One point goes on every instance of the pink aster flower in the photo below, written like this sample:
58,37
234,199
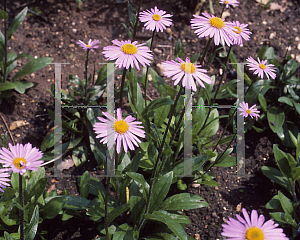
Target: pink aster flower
252,228
156,19
248,111
261,68
187,71
91,44
21,158
213,27
241,31
229,2
128,53
4,178
124,130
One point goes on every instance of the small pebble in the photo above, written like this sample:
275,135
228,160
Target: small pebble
264,22
298,46
272,35
74,30
297,39
156,50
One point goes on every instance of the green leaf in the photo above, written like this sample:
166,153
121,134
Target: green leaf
197,163
159,83
3,15
76,202
195,57
285,164
84,186
140,179
32,66
12,64
263,102
269,54
122,232
276,176
132,16
160,190
7,86
171,223
16,22
181,185
260,86
31,229
183,201
276,118
22,86
7,236
286,100
157,103
127,30
117,211
53,206
38,189
285,203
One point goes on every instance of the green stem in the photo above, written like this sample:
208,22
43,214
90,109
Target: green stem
145,87
205,51
86,71
137,20
213,100
122,87
22,230
222,10
141,225
5,45
106,207
225,129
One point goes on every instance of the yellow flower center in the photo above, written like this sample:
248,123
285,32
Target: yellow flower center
188,67
226,2
254,233
88,45
156,17
239,30
129,49
216,22
121,126
248,111
18,164
262,66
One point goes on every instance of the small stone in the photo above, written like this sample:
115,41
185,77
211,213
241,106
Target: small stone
74,30
214,214
32,75
264,22
289,48
17,135
72,45
221,71
73,23
197,236
35,57
298,46
298,58
195,185
168,30
272,35
156,50
297,39
216,188
295,29
48,80
47,55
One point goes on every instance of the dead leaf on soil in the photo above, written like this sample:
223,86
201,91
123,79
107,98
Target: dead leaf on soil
52,187
276,6
17,124
66,164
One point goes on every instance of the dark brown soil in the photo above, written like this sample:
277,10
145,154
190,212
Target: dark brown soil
55,34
